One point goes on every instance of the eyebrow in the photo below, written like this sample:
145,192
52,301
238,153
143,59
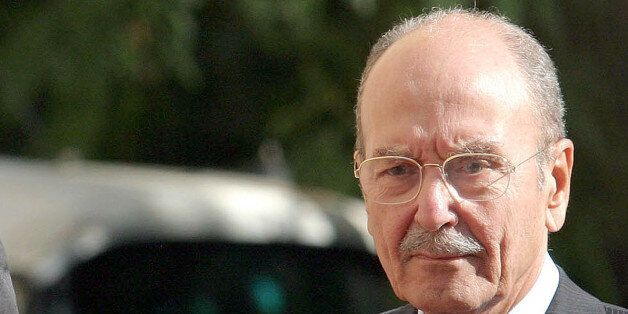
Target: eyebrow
482,145
402,151
485,146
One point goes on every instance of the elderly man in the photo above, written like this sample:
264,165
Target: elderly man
464,166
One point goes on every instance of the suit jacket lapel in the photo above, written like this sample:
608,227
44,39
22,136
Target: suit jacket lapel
569,298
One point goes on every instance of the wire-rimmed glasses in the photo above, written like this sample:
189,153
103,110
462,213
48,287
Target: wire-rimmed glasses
398,180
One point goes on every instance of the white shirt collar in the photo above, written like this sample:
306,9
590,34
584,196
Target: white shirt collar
538,299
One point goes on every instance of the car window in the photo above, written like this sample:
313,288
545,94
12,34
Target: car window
230,278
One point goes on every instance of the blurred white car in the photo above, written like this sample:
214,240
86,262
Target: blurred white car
86,237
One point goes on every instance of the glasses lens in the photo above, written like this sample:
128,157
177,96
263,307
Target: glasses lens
390,180
478,176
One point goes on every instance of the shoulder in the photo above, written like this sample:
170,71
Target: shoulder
614,309
406,309
7,295
570,298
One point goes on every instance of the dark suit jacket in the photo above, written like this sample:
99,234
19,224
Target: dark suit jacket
569,298
7,295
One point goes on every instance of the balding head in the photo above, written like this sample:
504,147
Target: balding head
532,62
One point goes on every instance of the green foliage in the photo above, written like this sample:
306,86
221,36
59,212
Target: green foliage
61,60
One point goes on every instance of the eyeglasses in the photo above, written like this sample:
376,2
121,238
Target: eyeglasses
474,176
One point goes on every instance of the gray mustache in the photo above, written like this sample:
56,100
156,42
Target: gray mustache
446,242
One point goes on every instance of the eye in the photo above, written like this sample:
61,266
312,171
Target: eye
400,170
390,168
474,166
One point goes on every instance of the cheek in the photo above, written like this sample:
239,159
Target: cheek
529,232
393,224
484,222
511,233
498,222
487,223
388,225
525,215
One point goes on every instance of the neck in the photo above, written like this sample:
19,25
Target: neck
513,292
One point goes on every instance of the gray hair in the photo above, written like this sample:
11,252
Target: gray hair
532,60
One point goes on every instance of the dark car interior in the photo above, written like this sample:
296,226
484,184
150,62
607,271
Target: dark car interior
213,277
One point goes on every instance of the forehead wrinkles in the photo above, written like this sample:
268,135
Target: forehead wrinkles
451,125
440,122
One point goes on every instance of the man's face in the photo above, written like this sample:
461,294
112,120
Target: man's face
431,96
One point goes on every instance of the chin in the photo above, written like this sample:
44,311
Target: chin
445,304
452,296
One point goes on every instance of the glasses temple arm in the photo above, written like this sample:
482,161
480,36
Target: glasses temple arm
513,168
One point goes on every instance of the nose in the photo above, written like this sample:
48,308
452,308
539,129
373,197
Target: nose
434,203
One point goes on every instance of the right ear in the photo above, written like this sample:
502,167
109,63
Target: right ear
357,156
357,159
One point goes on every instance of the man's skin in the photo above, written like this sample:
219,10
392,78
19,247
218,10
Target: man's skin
454,88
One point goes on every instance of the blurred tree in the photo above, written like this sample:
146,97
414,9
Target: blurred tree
69,68
206,83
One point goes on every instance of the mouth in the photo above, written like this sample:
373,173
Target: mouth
438,257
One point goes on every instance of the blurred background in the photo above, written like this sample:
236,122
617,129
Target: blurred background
268,87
